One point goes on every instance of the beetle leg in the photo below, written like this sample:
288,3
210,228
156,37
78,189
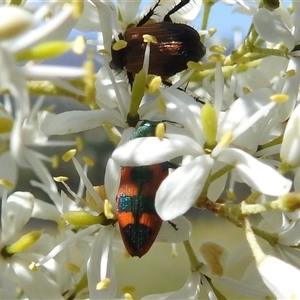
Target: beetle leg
181,4
130,79
198,99
173,225
147,17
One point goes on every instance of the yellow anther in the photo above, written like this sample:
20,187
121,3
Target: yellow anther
226,139
103,284
217,49
149,38
195,66
87,160
6,125
69,155
154,84
33,267
60,178
119,45
160,130
279,98
289,73
79,143
7,184
72,267
79,45
216,58
212,31
54,161
108,210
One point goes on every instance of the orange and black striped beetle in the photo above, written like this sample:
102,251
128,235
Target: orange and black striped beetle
177,44
138,220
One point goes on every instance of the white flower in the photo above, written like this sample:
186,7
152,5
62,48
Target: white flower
23,32
90,248
279,30
18,253
271,28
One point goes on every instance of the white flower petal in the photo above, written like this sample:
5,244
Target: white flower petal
296,7
187,13
36,285
38,167
8,169
184,110
100,265
67,242
285,16
289,152
77,121
89,19
13,79
251,289
112,181
189,291
169,234
208,289
281,278
16,212
274,220
58,201
13,21
43,72
251,278
48,31
259,176
290,88
271,28
217,187
179,191
151,150
289,237
105,90
9,290
106,12
45,211
247,10
128,15
243,108
297,180
270,70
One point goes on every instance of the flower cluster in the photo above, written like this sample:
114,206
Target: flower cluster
222,136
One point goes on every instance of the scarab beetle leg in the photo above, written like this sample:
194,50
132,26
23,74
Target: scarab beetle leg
181,4
147,17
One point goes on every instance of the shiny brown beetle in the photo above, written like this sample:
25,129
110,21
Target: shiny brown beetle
176,45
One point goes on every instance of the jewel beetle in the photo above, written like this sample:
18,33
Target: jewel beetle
177,44
138,220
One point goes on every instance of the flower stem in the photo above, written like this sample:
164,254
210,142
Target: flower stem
194,262
207,8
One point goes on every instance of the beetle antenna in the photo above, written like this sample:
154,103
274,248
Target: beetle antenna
147,17
179,5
